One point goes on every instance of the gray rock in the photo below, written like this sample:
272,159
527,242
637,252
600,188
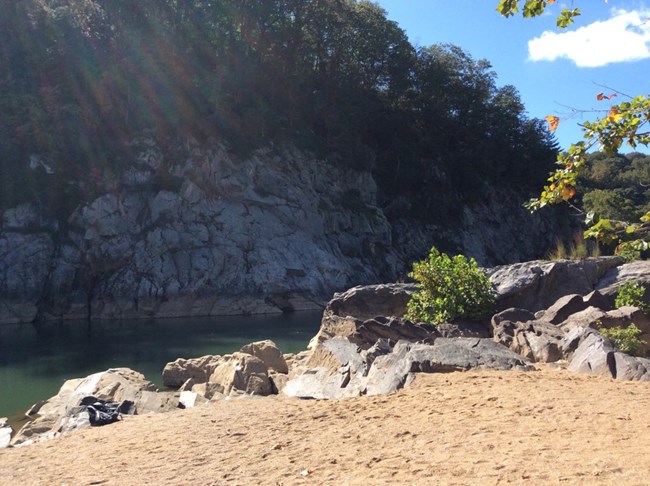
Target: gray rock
190,399
341,375
366,332
513,315
537,340
564,307
637,271
241,372
366,302
62,413
631,368
573,339
198,370
594,356
462,354
269,353
5,433
537,285
586,318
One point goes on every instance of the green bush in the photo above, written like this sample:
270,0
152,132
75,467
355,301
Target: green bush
631,293
625,339
448,289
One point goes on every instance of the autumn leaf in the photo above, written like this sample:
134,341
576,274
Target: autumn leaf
614,115
603,96
553,122
550,1
568,192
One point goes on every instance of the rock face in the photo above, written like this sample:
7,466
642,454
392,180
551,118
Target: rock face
64,413
206,233
338,369
537,285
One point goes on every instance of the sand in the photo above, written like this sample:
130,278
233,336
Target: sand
539,428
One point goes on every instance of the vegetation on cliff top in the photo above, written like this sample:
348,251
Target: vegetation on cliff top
81,78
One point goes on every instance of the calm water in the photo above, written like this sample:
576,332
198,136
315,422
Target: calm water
35,361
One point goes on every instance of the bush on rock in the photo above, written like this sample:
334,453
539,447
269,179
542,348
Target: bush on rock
449,288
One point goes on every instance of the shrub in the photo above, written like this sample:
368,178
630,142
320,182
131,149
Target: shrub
449,288
631,293
625,339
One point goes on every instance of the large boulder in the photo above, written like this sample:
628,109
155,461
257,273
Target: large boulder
365,302
631,367
537,285
637,271
366,332
197,369
64,412
539,341
594,356
269,353
240,373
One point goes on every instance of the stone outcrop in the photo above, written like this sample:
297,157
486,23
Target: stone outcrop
64,413
365,333
537,285
366,302
198,370
339,369
269,353
257,369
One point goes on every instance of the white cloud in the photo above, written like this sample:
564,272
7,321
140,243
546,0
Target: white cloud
624,37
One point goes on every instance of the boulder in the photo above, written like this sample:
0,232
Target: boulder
585,318
573,339
637,271
190,399
64,412
462,354
366,332
5,433
537,285
197,369
631,368
564,307
594,356
623,317
241,373
536,340
269,353
365,302
512,314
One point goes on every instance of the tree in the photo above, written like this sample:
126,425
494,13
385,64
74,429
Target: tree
626,122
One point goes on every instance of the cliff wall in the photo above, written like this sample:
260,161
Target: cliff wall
278,230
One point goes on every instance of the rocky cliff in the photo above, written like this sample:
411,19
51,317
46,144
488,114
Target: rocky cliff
208,233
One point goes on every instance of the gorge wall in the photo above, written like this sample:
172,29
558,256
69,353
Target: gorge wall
278,230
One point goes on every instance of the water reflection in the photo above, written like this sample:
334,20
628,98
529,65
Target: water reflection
36,360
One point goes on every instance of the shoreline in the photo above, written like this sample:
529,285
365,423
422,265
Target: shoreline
477,427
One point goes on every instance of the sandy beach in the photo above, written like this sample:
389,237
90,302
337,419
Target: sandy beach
543,427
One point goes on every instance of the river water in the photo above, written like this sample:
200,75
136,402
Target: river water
36,360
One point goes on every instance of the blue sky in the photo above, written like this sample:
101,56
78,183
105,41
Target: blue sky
555,70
